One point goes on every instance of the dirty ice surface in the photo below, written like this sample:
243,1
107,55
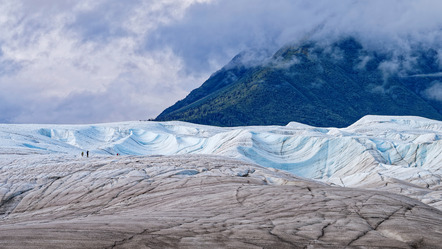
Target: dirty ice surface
196,201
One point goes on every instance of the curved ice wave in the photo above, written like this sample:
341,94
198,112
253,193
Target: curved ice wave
370,152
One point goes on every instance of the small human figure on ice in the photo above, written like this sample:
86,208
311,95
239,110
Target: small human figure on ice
87,153
82,154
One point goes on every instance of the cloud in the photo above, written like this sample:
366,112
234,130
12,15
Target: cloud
435,91
439,74
388,68
212,32
363,60
101,60
56,68
131,94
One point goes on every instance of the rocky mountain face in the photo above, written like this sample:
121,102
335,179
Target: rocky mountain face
330,85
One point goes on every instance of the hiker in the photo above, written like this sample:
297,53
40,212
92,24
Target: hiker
82,154
87,153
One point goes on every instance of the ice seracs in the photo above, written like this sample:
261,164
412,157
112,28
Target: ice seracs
399,154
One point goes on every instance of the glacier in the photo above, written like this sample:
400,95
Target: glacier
400,154
196,201
375,183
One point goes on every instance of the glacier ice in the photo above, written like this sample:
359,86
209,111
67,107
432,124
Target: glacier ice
191,201
398,154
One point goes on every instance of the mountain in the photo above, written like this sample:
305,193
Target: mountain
322,85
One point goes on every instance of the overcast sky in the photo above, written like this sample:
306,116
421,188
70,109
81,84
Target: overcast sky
91,61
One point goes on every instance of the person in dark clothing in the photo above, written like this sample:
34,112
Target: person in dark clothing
82,154
87,153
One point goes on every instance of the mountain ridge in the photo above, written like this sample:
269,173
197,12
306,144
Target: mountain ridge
322,86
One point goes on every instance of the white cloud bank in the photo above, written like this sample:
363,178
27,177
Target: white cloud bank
58,67
100,60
